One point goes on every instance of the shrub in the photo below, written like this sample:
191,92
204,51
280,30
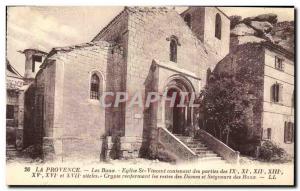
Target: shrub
234,20
269,151
115,152
33,151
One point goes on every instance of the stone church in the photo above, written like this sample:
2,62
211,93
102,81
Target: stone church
142,49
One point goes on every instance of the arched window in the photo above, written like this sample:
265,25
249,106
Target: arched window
173,50
188,19
218,26
95,87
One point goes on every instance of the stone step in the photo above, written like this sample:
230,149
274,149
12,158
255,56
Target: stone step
209,158
12,154
213,162
197,147
196,144
207,154
10,147
203,152
187,139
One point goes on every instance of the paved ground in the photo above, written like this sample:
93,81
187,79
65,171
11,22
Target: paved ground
13,156
244,160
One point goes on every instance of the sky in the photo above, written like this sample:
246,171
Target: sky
47,27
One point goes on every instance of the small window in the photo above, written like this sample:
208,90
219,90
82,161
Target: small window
188,19
208,75
95,87
269,131
218,26
276,93
173,50
9,112
279,63
288,132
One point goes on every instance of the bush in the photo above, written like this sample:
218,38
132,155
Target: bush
269,151
234,20
33,152
115,152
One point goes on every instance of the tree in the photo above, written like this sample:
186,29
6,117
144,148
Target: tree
224,102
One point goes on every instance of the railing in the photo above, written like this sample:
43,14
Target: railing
218,147
174,145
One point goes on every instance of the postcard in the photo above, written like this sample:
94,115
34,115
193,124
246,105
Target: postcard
162,95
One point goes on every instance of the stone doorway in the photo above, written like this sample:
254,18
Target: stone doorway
178,115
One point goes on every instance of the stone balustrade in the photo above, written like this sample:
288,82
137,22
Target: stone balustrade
174,145
218,146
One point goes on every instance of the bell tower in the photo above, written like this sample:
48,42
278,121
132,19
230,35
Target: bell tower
33,59
212,27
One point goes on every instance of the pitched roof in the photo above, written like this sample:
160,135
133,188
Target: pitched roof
102,44
126,10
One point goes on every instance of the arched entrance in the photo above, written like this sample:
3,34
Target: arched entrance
177,114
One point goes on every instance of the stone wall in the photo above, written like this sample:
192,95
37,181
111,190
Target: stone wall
115,116
117,32
197,20
149,30
38,110
81,120
28,131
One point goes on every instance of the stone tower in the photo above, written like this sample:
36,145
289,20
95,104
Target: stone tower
33,59
212,27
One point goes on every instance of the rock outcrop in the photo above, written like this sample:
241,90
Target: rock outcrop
262,28
283,34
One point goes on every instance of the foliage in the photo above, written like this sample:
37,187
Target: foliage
234,20
271,152
33,151
115,152
223,102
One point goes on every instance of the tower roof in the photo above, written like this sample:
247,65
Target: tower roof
11,71
36,51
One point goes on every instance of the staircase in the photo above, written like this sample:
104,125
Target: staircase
11,152
204,154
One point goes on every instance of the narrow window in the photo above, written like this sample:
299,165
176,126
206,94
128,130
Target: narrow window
285,134
9,112
218,26
278,63
188,19
208,74
276,93
288,132
173,50
269,131
95,84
